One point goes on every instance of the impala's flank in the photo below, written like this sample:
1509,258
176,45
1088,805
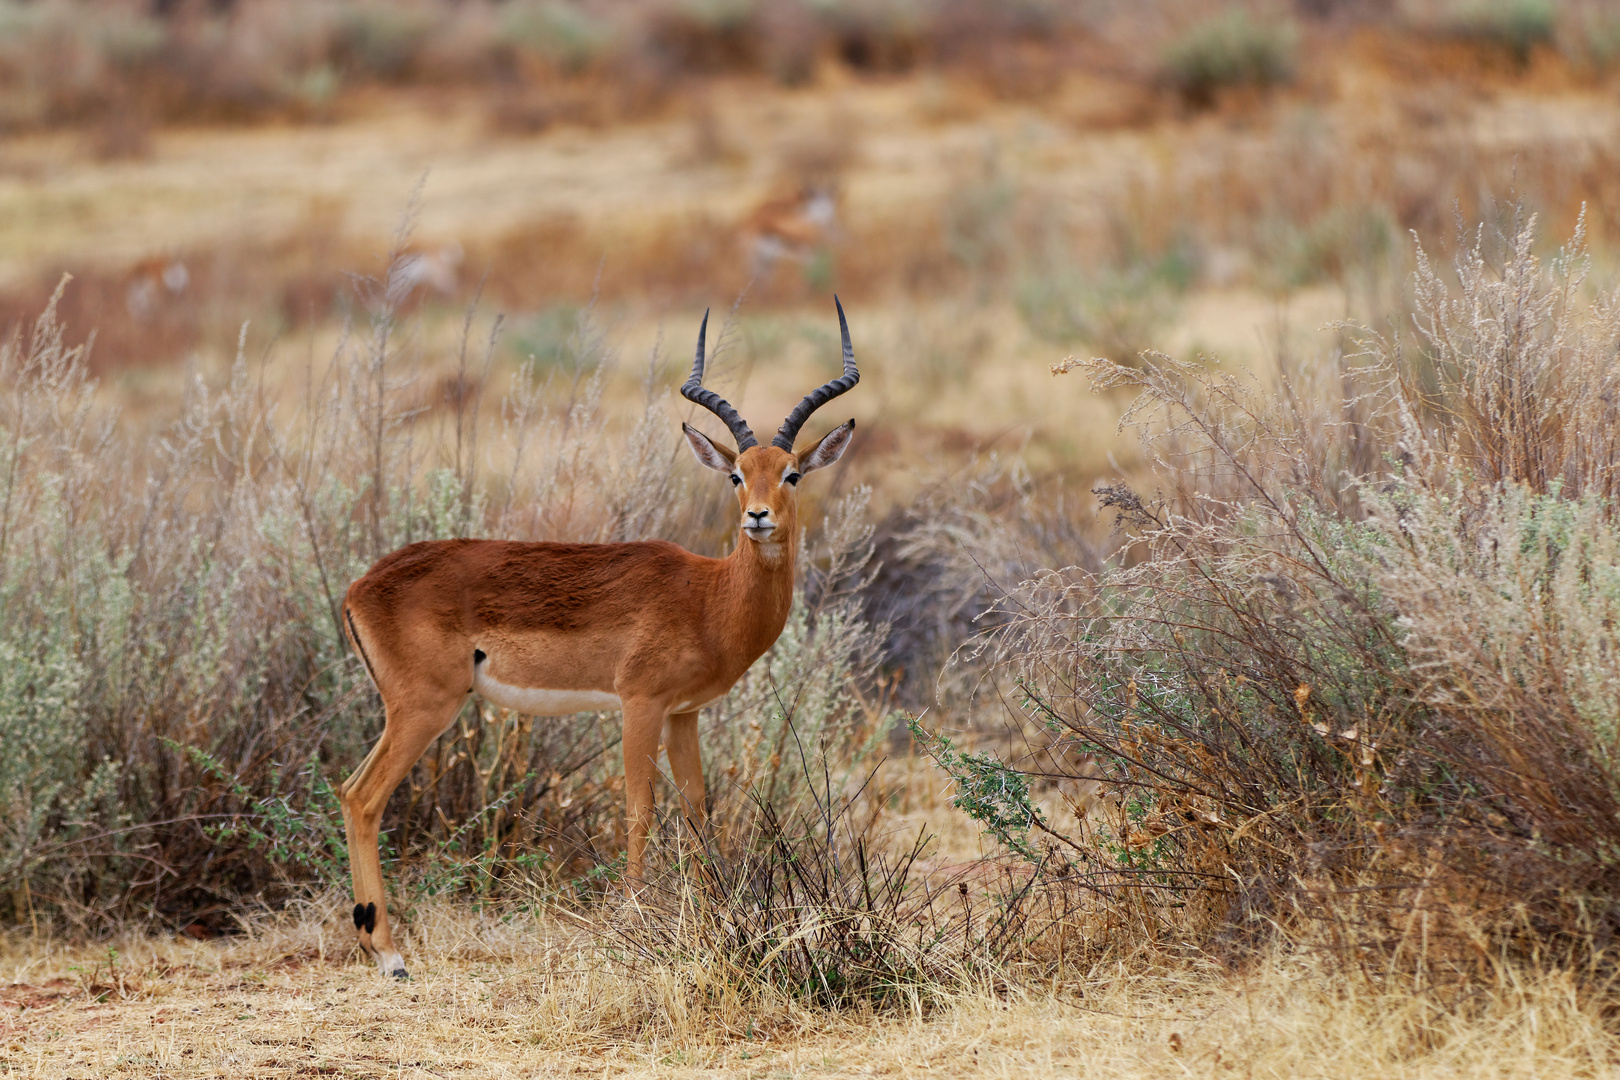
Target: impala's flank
549,629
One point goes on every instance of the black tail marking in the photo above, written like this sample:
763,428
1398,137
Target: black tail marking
354,636
478,656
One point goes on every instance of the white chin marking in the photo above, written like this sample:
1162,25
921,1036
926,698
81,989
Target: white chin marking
769,550
536,702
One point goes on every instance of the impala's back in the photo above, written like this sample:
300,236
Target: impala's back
545,629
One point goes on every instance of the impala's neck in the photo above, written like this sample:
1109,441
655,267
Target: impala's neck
757,582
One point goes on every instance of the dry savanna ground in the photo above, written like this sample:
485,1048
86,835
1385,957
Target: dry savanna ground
527,994
534,989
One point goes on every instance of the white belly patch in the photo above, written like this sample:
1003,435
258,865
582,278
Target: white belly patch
537,702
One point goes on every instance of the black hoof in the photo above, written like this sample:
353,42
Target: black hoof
400,973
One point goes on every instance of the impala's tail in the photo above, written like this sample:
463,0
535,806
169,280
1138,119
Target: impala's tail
352,632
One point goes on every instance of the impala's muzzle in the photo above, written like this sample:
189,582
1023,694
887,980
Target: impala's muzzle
758,524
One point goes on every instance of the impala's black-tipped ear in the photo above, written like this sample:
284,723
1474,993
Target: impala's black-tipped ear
709,454
829,449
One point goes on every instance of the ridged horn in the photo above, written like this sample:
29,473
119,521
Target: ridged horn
693,391
825,393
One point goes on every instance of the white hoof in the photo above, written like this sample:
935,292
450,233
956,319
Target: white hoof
392,964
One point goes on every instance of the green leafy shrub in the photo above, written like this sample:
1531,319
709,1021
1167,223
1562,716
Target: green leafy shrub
564,35
988,790
380,40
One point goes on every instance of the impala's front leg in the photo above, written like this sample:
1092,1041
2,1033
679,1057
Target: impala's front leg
686,768
643,724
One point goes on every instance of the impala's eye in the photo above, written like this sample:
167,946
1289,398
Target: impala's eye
735,480
791,478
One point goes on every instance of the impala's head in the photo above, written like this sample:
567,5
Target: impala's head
767,477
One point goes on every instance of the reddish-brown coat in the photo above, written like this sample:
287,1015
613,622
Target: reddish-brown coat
573,616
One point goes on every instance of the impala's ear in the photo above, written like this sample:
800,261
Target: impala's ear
715,457
829,449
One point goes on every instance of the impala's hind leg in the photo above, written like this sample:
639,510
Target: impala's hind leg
407,732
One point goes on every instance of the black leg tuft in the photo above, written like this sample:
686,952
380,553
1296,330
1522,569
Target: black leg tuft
359,916
371,917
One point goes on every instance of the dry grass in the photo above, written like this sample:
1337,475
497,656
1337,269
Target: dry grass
525,993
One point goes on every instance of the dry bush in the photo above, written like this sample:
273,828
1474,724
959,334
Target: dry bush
175,680
1515,27
1351,674
1308,195
942,561
1229,50
822,909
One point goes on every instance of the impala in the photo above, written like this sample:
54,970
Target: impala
790,226
550,629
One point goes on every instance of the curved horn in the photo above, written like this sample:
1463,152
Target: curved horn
819,397
693,391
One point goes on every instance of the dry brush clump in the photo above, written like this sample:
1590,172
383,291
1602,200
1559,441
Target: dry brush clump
177,692
1352,673
941,561
822,909
805,891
